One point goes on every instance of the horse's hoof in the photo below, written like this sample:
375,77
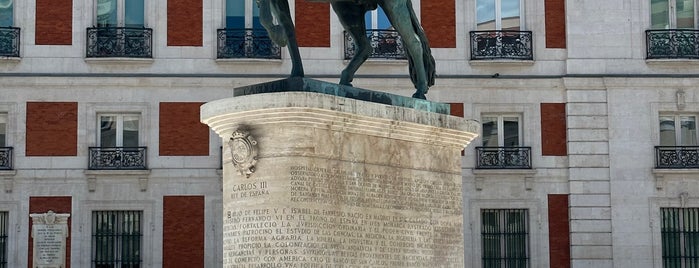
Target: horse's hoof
419,95
346,84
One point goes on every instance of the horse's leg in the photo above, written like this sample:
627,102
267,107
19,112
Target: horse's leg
351,16
284,17
276,32
398,13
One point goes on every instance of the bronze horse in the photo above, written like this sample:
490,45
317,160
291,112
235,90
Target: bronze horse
351,14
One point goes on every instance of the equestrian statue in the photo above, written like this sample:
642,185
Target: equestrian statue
351,14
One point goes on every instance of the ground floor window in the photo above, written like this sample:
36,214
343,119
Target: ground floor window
3,239
116,239
680,237
505,238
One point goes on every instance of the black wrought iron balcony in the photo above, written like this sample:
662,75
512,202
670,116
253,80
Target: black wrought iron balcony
9,42
386,44
490,45
672,44
104,42
113,158
246,43
5,158
503,157
676,156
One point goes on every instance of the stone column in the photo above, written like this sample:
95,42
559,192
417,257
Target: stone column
314,180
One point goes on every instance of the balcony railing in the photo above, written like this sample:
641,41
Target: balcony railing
503,157
246,43
672,44
117,158
386,44
9,42
119,42
5,158
676,156
489,45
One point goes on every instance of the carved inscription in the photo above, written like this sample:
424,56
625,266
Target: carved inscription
337,218
336,186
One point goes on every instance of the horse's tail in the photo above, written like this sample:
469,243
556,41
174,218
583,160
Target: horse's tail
427,58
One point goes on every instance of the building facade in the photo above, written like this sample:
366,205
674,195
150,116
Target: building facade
589,109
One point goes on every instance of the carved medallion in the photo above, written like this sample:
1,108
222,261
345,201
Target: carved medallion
243,152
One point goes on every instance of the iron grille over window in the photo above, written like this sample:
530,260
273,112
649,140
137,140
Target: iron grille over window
3,239
488,45
246,43
677,156
385,44
505,238
116,239
5,158
117,158
680,237
119,42
672,44
503,157
9,42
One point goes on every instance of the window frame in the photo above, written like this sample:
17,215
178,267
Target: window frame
121,13
681,231
249,14
672,15
12,16
497,5
148,236
500,124
117,243
503,232
4,118
119,129
678,126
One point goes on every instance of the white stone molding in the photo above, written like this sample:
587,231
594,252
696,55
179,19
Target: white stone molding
8,179
525,175
121,175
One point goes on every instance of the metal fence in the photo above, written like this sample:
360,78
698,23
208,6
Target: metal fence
503,157
3,239
9,41
116,239
505,238
117,158
246,43
5,158
119,42
677,156
680,237
385,44
672,44
488,45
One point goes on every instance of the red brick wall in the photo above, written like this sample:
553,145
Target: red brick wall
457,109
183,231
553,129
59,204
52,129
559,231
181,132
312,24
54,22
555,13
184,23
439,21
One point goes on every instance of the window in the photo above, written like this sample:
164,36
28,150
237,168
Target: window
680,237
120,13
678,130
672,14
505,238
116,239
501,130
3,239
499,15
6,13
242,14
118,130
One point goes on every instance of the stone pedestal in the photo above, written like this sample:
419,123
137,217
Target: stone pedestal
317,180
